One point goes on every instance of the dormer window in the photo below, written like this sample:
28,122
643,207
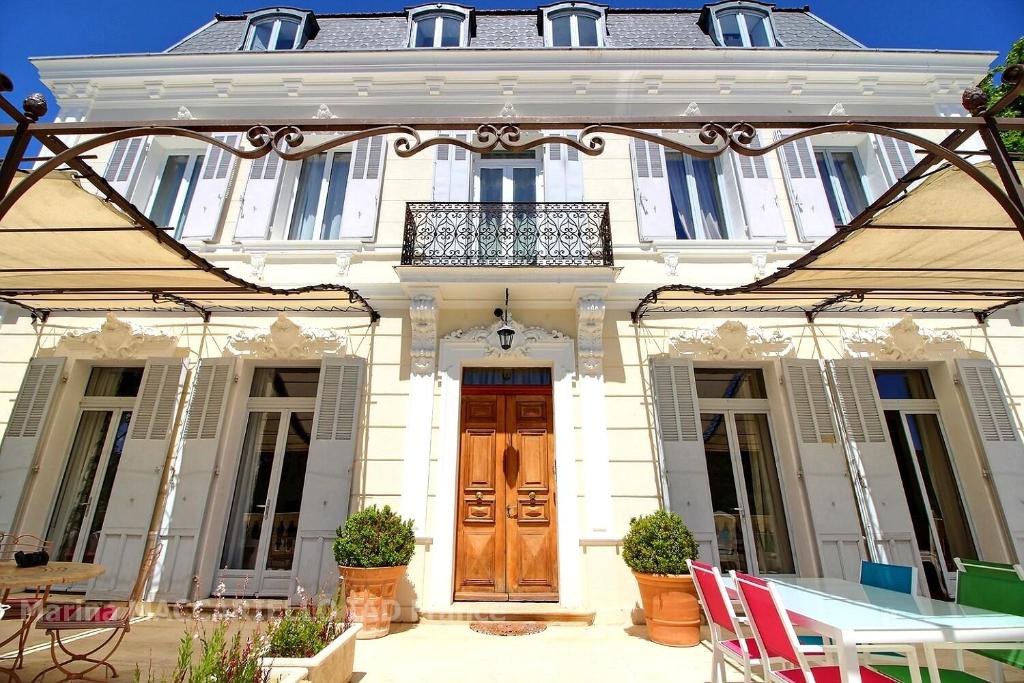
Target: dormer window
439,25
574,24
740,24
276,29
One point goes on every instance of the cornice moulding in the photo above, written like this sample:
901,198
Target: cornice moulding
526,338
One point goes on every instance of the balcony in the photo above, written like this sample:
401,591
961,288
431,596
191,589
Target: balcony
507,234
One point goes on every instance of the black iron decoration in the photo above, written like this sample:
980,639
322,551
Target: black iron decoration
506,333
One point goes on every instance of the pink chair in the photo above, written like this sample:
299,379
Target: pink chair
722,618
776,638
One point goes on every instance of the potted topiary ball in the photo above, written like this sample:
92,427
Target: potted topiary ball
656,549
373,550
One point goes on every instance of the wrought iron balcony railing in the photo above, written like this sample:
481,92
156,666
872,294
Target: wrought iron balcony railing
509,234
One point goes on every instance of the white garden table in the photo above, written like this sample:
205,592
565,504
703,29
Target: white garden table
851,614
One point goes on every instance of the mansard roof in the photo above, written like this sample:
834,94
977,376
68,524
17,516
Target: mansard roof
518,29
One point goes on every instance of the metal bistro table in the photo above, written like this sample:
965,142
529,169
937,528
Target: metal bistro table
13,578
852,614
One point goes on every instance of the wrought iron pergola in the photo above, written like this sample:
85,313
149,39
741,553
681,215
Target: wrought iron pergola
791,289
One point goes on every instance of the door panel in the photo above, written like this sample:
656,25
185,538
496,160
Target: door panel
506,543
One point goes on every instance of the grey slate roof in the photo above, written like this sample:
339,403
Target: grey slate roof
511,29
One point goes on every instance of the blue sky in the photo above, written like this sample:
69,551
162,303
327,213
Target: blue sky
74,27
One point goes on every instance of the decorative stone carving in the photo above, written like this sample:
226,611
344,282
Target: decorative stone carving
524,340
906,341
343,260
837,110
286,340
691,110
590,334
508,111
184,114
324,112
760,263
732,340
671,264
258,264
423,316
116,339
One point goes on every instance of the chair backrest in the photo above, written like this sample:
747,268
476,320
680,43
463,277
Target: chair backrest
714,599
995,570
994,594
725,530
768,619
893,577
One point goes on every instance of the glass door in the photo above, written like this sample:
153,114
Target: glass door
506,183
750,518
259,545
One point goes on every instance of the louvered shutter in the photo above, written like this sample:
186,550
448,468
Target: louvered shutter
259,198
886,514
137,482
190,485
653,198
328,483
24,432
563,172
896,156
682,450
825,471
452,171
807,194
123,165
210,191
362,196
759,198
1000,439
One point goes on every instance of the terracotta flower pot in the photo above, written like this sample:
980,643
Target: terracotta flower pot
671,608
370,597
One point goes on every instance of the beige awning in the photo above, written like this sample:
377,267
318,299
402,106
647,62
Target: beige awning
947,246
64,249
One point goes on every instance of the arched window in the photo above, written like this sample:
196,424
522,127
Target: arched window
276,29
743,25
439,26
574,25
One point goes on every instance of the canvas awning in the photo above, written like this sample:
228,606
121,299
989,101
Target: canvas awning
947,246
63,249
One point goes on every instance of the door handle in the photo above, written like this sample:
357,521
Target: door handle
511,511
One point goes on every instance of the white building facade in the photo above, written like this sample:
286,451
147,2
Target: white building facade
789,446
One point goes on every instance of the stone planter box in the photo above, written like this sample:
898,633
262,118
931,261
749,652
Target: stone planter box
333,664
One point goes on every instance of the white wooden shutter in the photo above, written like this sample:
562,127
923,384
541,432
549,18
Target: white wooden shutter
653,198
825,471
896,156
885,512
137,482
24,432
807,194
760,200
123,165
259,198
190,486
563,172
1000,440
328,483
210,191
682,450
452,171
362,196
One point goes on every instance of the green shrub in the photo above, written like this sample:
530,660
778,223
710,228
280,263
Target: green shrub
659,543
304,632
375,538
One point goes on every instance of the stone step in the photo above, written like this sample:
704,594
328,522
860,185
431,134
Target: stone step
464,612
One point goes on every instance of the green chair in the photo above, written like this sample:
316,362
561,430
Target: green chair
903,674
995,570
992,587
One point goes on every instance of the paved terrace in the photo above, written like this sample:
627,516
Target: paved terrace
430,653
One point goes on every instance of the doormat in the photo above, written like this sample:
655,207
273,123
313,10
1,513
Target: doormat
507,628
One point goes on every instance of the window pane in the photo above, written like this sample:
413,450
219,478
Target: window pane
491,180
249,502
284,526
524,184
331,228
451,30
757,29
117,382
729,383
679,191
284,382
286,35
167,190
92,541
903,384
425,32
586,26
850,182
261,35
561,31
732,551
307,197
709,199
476,377
730,27
764,495
826,175
193,180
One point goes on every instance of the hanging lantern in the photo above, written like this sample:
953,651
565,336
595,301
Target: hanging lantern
506,334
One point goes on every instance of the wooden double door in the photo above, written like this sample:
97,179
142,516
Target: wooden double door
506,542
